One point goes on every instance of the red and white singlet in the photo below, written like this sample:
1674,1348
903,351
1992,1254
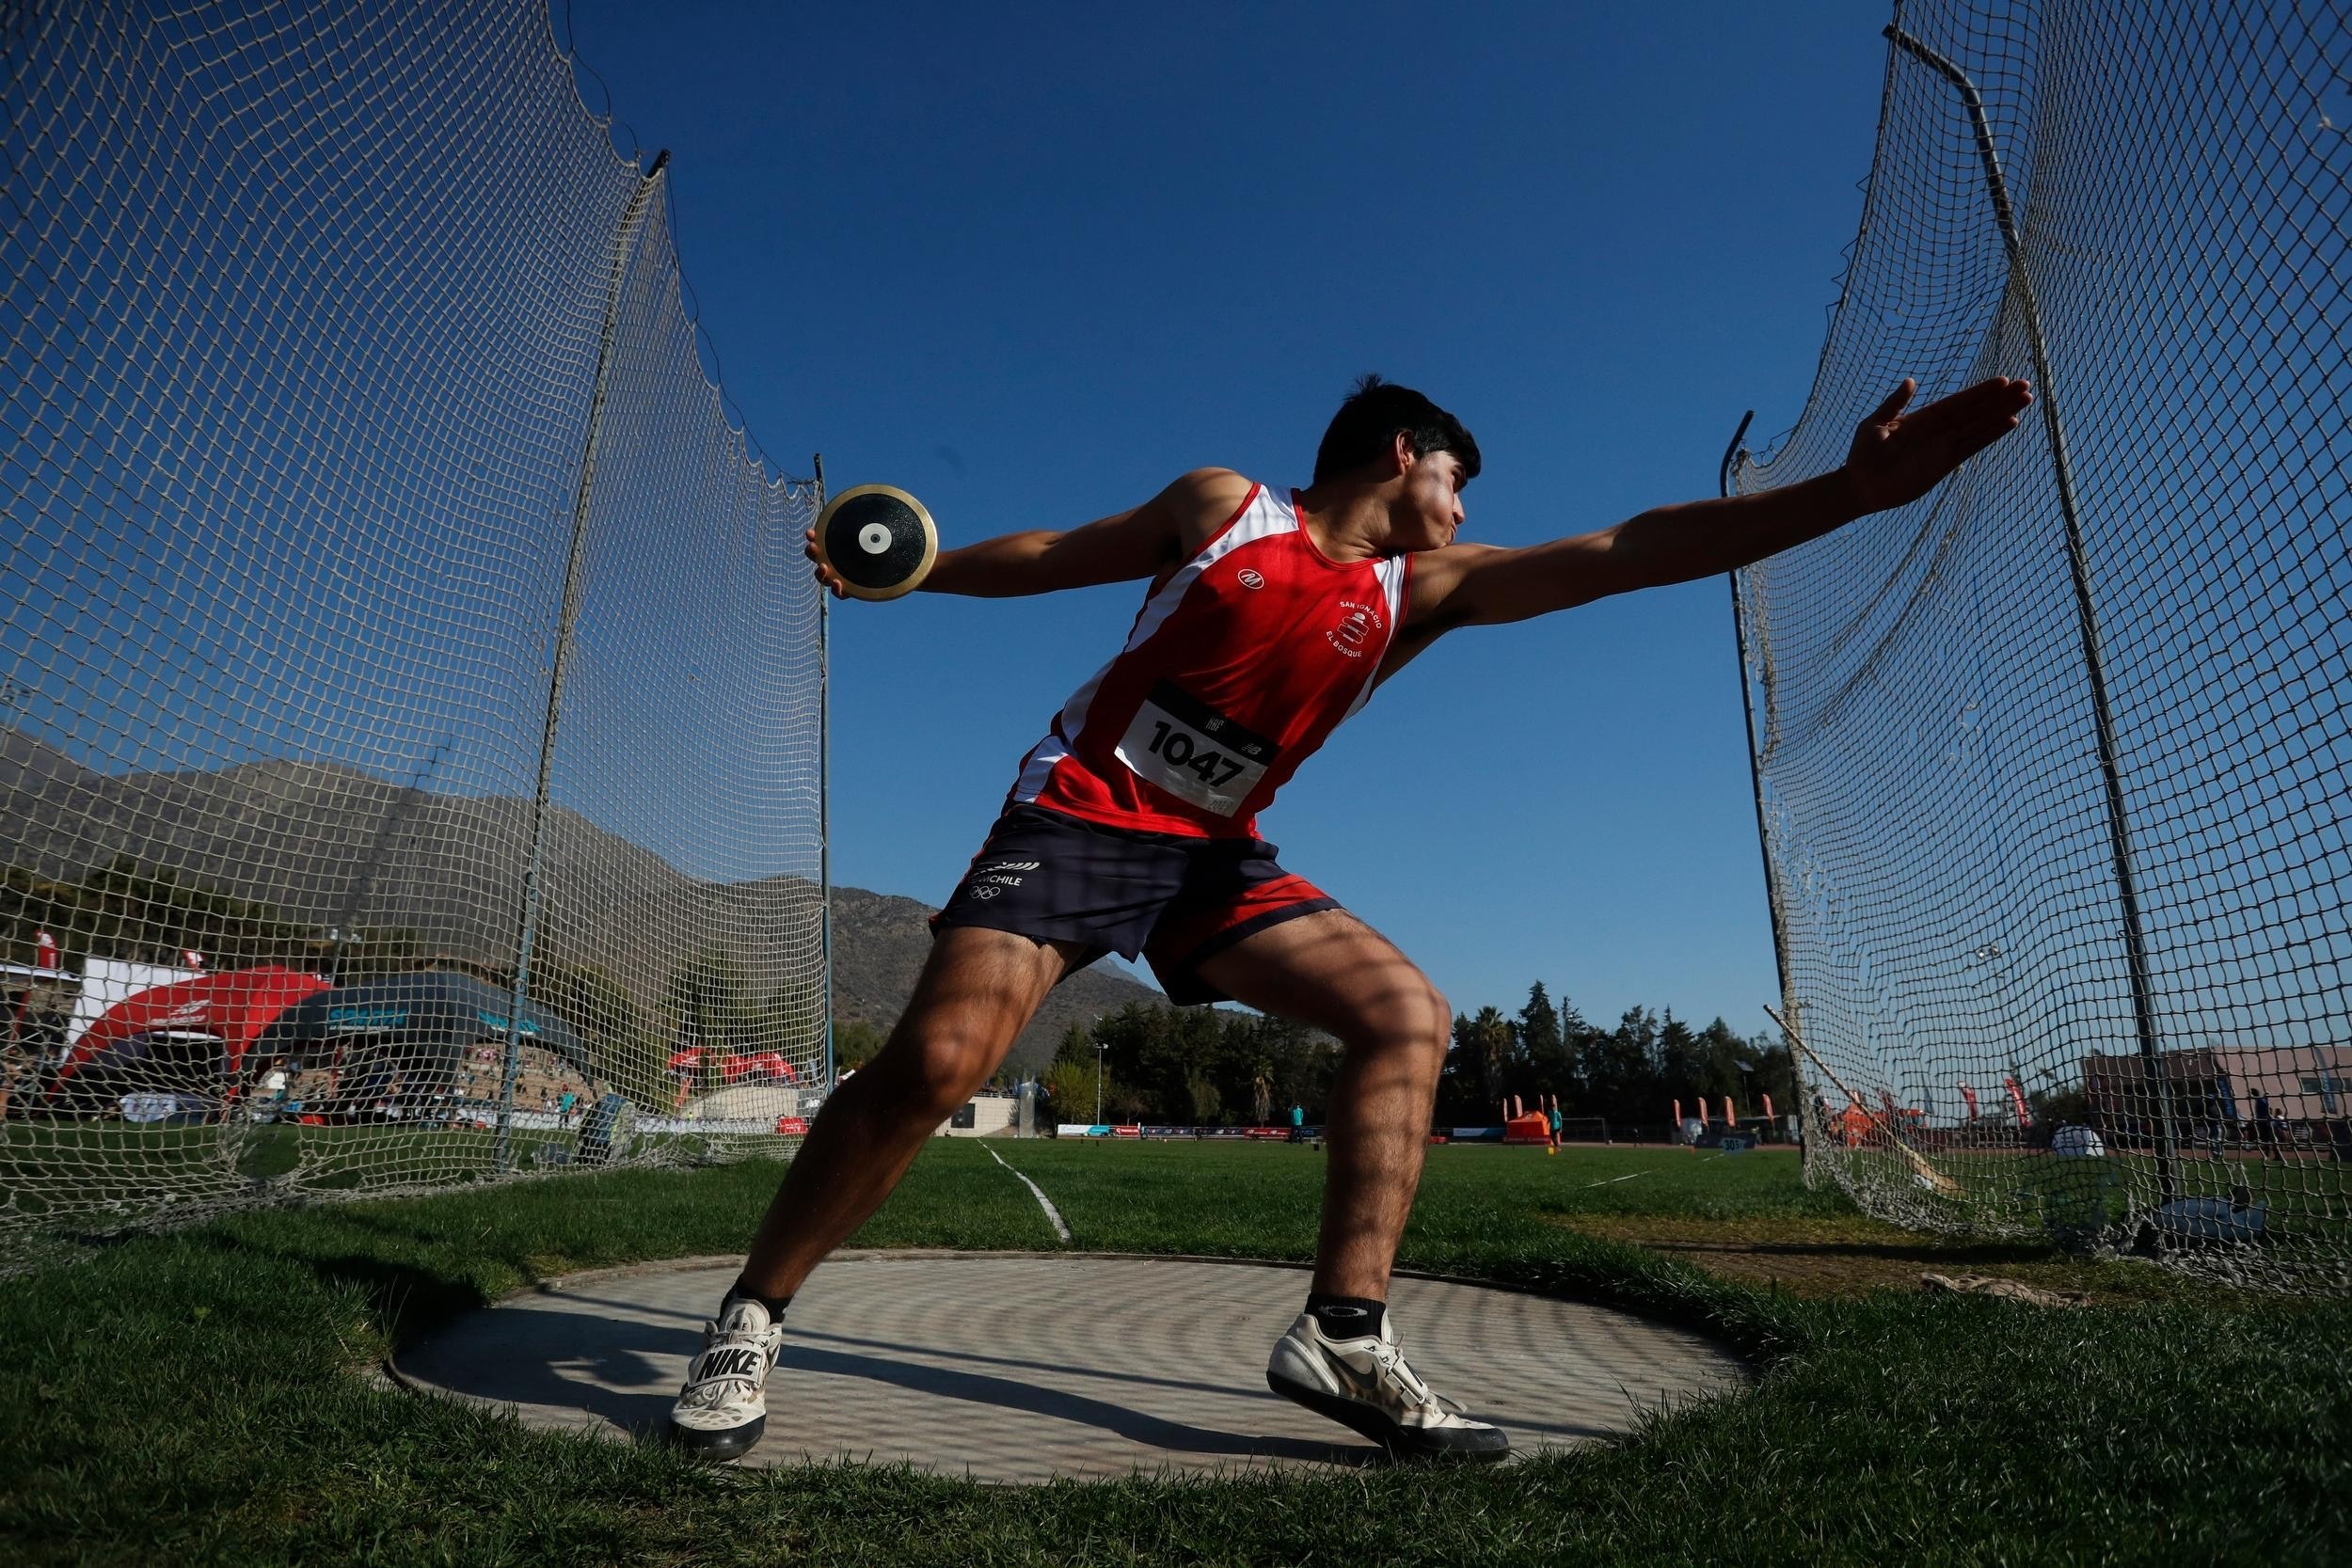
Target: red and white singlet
1240,663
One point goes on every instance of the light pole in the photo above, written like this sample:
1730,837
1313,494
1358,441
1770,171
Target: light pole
1102,1067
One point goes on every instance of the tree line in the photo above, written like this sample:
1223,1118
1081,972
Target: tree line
1152,1063
1631,1074
1214,1066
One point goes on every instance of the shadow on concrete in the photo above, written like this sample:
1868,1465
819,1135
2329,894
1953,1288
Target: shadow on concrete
602,1367
1008,1394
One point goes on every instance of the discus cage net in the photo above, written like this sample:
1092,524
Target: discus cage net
410,686
2051,765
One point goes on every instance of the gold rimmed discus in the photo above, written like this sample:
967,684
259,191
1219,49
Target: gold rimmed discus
878,540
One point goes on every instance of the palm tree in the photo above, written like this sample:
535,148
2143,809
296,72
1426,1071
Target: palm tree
1490,1038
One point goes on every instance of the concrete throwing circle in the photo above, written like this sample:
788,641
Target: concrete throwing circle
1007,1367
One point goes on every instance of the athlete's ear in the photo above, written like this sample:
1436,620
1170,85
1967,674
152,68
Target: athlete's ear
1401,455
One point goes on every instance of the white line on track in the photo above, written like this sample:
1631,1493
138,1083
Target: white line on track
1042,1201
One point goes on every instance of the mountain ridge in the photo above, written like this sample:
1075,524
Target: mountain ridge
333,847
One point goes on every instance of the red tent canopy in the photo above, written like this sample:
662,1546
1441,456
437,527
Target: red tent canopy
232,1008
767,1065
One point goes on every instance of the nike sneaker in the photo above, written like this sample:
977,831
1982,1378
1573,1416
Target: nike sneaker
1364,1383
724,1407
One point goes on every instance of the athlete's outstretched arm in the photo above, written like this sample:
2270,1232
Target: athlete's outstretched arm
1129,544
1895,458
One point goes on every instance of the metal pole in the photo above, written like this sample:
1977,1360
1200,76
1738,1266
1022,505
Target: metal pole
1747,711
567,615
1756,780
824,785
2086,613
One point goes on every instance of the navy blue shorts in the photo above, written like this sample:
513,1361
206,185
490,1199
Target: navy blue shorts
1177,901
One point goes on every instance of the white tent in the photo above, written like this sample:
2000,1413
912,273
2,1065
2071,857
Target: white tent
107,981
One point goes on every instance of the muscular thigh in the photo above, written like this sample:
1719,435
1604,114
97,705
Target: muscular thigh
1332,971
980,987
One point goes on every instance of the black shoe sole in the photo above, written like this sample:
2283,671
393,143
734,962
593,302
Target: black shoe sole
715,1446
1401,1442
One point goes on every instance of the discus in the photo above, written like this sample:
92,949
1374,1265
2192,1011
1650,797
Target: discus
878,540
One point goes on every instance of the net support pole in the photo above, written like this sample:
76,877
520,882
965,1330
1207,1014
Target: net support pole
824,789
2086,613
1755,773
567,617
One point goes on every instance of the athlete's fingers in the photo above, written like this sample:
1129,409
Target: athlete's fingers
1894,404
1992,416
1992,398
826,577
1976,437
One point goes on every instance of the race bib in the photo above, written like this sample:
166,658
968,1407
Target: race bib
1195,753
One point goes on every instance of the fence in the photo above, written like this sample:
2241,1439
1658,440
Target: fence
410,686
2051,765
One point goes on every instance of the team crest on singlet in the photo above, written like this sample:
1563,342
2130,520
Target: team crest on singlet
1358,628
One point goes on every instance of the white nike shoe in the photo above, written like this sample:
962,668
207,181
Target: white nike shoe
724,1407
1364,1383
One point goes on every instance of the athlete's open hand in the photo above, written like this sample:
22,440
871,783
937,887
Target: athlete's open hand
1898,457
826,577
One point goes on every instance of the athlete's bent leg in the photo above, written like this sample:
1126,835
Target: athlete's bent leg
1342,1357
978,989
1332,972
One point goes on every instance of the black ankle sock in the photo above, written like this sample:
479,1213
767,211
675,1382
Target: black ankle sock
775,1304
1345,1317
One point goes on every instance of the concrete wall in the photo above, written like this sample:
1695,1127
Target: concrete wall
990,1113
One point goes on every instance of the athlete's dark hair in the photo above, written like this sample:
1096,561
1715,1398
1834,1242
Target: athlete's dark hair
1369,420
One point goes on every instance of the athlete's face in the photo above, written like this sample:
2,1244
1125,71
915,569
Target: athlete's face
1431,511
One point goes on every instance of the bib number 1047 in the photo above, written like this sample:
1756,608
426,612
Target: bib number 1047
1215,770
1193,752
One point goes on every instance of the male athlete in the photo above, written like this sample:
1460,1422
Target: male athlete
1132,828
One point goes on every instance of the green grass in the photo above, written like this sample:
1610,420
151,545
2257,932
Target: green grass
101,1175
196,1397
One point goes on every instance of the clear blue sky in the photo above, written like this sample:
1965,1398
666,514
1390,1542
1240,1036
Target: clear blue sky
1033,262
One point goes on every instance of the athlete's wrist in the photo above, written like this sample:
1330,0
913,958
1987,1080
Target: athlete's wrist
1838,496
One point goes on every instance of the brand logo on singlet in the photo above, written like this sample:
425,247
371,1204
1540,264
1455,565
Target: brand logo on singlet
1359,624
1249,578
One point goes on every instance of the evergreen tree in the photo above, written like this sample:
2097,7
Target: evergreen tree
1542,1054
1575,1036
1622,1070
1680,1074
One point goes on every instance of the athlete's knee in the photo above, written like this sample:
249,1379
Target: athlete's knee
1407,1018
934,1070
1432,1026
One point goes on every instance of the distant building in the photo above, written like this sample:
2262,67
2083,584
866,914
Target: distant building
2303,1082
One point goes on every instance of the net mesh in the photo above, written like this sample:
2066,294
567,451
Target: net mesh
397,628
2096,987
